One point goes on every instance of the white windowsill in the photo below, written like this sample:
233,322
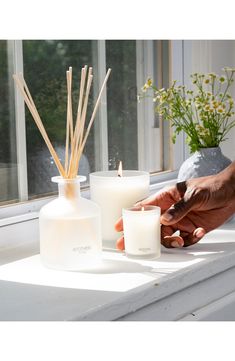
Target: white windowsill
169,288
121,288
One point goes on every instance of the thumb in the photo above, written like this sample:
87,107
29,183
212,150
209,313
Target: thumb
177,211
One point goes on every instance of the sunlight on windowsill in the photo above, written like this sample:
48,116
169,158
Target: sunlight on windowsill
116,273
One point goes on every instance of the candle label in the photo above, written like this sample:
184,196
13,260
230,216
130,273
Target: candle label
82,249
146,249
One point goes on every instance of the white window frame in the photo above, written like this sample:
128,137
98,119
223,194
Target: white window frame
27,210
16,53
178,73
101,124
145,109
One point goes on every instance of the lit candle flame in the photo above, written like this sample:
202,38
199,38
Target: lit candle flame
120,169
142,208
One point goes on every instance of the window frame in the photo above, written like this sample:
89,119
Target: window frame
101,123
13,213
16,49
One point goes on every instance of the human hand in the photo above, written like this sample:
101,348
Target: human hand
193,207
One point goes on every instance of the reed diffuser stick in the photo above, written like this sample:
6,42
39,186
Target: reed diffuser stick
84,109
37,119
67,127
70,104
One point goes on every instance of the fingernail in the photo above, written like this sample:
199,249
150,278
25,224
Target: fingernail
167,217
199,233
175,244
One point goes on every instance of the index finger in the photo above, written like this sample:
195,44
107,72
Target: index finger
151,200
164,198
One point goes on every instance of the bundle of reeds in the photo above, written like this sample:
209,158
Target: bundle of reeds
76,133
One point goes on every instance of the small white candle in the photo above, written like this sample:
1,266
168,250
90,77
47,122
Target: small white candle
113,192
142,231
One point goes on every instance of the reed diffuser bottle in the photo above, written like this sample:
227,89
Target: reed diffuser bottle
70,229
70,226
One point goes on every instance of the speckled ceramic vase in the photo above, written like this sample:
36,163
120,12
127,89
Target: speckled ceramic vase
206,161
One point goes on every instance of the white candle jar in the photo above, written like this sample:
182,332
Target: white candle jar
70,229
142,231
112,193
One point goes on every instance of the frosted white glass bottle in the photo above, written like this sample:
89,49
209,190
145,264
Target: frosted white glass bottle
70,229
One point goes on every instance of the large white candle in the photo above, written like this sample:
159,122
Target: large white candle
112,193
142,231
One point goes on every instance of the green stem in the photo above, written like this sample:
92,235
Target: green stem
228,84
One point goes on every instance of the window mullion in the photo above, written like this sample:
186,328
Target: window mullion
148,134
17,53
101,125
177,72
140,107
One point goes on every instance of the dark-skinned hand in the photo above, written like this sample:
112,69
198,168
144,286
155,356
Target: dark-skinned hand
193,207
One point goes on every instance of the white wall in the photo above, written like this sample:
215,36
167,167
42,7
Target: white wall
211,56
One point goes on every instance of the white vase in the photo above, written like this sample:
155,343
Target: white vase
70,229
206,161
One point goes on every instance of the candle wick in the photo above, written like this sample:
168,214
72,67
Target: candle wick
120,169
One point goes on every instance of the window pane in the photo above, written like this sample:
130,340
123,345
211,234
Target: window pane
45,65
8,160
122,103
